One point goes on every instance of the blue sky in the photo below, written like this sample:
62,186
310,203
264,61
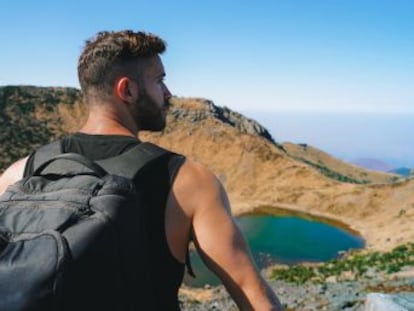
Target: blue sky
260,57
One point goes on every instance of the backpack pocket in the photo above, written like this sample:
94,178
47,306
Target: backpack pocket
31,270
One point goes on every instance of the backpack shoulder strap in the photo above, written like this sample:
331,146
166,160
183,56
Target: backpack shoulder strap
129,163
41,155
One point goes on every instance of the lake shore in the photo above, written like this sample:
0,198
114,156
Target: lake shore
381,232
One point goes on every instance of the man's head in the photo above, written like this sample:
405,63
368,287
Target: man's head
125,65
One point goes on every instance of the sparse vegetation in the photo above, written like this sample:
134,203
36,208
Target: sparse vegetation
394,179
29,117
356,264
334,175
401,212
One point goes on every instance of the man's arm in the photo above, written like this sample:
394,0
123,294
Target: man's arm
219,241
12,174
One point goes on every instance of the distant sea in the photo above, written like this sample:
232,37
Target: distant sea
388,137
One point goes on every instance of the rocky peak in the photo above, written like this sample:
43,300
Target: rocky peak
196,109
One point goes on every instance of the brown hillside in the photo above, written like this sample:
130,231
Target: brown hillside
257,172
31,116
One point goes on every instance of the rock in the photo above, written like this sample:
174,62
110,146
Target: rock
235,119
332,279
389,302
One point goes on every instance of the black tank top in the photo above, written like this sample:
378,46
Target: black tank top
155,183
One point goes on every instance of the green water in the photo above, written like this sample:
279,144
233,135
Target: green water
284,240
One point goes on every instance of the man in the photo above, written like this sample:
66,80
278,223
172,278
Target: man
121,76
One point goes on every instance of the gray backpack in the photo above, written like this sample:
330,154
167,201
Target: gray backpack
72,235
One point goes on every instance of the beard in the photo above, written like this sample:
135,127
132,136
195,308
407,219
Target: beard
149,115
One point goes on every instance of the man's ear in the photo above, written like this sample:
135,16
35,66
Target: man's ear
127,90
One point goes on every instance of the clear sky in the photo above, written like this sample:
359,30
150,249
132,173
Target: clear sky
260,57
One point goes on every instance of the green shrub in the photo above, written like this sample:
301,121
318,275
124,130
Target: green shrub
334,175
357,263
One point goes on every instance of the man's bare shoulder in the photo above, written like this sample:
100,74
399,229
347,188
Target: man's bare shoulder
192,171
195,182
196,176
12,174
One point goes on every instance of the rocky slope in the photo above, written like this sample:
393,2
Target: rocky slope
330,296
343,284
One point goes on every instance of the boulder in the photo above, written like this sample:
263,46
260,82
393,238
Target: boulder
389,302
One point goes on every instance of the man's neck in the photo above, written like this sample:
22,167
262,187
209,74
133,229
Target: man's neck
99,126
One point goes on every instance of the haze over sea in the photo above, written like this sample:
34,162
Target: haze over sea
347,136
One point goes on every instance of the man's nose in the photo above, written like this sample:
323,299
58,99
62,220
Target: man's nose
167,93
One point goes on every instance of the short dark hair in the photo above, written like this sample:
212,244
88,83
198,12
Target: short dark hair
108,52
